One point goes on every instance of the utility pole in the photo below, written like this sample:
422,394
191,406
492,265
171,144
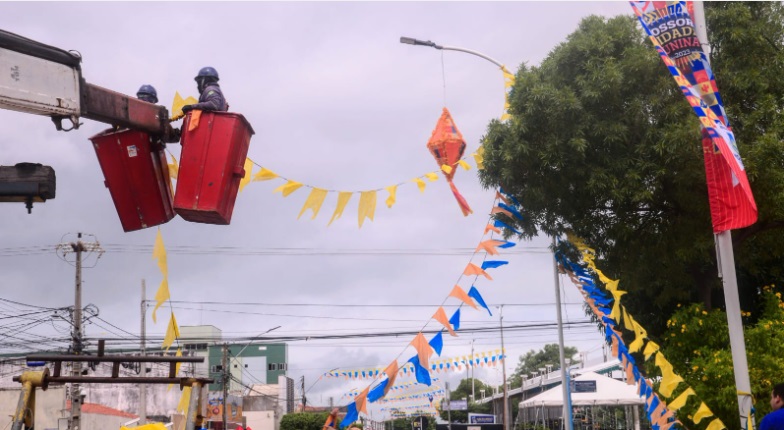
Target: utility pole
448,405
77,346
503,364
725,258
304,399
225,366
473,369
143,387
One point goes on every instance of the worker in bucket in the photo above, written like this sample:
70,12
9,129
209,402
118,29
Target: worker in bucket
148,94
210,95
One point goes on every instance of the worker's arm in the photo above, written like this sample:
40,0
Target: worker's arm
211,100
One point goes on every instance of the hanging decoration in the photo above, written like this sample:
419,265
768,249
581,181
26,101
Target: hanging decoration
447,146
161,296
671,29
420,364
452,158
455,364
611,313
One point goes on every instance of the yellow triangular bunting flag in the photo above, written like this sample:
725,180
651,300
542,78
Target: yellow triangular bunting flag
248,167
160,297
420,184
174,168
265,175
702,412
343,198
680,401
172,333
464,165
367,206
159,253
446,168
288,188
392,190
313,202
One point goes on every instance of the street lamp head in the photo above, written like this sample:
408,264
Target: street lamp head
412,41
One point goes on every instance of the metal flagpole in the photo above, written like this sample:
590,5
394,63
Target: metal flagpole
726,261
567,404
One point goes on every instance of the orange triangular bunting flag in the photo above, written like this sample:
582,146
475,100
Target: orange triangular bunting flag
460,294
489,246
391,371
473,269
501,197
441,317
361,400
498,209
424,350
491,227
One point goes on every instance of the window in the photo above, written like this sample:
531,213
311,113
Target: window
272,366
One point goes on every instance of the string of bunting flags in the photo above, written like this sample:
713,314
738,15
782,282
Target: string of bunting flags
172,335
610,312
318,195
424,348
486,358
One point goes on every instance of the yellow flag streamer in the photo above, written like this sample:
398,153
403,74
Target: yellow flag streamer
159,253
265,175
464,165
178,103
616,309
479,159
174,169
248,167
172,332
420,184
669,379
160,297
313,202
367,206
447,169
176,366
185,399
716,424
288,188
432,176
392,190
343,198
650,349
702,412
680,401
151,426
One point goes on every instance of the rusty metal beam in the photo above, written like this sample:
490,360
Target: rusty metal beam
121,110
122,380
113,358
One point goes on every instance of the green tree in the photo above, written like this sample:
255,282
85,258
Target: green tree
696,344
532,361
603,144
463,391
303,421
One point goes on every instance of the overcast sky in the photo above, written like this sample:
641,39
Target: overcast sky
336,102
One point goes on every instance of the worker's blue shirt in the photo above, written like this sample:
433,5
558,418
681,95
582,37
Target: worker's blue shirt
212,99
773,421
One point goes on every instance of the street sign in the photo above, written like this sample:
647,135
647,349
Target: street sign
481,418
458,405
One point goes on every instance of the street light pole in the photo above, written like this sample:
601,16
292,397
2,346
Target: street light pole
412,41
567,404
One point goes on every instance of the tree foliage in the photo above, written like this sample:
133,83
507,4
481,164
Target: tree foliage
303,421
463,391
532,361
696,344
603,144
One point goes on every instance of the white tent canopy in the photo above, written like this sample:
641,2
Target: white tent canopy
609,392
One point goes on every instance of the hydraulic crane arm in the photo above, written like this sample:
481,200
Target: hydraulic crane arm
45,80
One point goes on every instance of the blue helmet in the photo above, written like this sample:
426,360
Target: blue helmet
147,93
207,72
